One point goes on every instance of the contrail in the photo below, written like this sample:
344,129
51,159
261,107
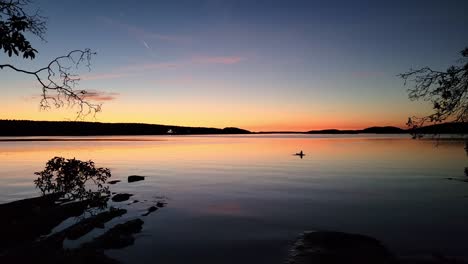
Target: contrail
146,45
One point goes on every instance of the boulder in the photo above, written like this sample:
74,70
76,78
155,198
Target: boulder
324,247
134,178
120,197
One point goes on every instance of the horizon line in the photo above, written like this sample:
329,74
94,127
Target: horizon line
267,131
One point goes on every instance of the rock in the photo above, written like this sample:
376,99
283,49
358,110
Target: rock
429,259
135,201
117,237
120,197
113,182
160,204
26,220
325,247
25,223
134,178
150,210
85,226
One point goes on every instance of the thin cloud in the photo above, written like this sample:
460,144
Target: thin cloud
91,95
137,69
100,96
217,59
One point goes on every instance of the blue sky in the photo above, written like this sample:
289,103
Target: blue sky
262,65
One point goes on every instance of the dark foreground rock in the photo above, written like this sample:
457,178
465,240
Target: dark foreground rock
135,178
88,224
119,236
25,223
120,197
324,247
50,252
26,220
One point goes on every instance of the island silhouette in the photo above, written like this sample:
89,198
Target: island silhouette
18,128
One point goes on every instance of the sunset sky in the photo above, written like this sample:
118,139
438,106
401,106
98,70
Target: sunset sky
258,65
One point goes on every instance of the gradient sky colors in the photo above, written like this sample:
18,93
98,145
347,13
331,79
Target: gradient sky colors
259,65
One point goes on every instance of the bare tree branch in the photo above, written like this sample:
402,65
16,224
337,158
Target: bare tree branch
58,83
58,80
446,90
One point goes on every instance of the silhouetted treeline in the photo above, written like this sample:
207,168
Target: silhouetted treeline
445,128
369,130
69,128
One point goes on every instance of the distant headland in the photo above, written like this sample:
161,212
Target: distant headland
79,128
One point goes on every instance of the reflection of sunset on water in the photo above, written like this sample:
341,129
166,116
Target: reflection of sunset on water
254,186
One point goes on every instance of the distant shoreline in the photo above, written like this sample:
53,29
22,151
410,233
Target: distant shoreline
27,128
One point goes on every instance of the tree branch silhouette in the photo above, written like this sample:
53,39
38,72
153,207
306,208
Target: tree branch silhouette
57,80
446,90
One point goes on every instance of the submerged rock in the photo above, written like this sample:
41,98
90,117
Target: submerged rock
85,226
150,210
120,197
133,202
114,181
134,178
325,247
119,236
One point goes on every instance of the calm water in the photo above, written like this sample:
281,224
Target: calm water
243,199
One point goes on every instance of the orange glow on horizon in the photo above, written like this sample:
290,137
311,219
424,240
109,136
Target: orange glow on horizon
205,112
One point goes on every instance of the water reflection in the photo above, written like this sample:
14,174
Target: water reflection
253,196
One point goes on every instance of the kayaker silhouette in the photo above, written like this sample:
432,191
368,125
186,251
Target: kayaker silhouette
301,154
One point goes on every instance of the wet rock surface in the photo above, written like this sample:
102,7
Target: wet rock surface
160,204
150,210
325,247
87,225
119,236
114,181
50,250
26,229
35,247
121,197
135,178
27,226
28,219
